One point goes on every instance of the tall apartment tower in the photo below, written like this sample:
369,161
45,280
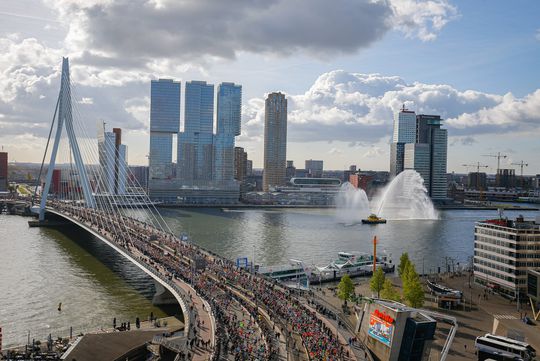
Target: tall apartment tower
229,114
404,133
3,171
164,123
275,140
429,131
240,164
112,160
195,148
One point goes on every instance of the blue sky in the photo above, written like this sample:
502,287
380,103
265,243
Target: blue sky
345,69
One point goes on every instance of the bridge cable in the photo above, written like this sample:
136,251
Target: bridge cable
45,153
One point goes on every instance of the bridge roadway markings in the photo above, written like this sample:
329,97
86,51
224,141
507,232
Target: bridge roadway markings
187,325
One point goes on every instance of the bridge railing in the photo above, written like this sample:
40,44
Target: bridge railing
189,312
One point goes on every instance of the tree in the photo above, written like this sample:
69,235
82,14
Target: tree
345,288
403,262
389,292
377,281
413,293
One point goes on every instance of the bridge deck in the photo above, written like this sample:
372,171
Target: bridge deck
186,300
253,314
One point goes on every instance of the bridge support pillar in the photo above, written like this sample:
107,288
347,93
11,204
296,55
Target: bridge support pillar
163,296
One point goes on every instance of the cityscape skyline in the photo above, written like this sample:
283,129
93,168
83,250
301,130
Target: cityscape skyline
487,97
270,180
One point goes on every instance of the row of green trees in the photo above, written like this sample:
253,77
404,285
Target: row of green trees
413,293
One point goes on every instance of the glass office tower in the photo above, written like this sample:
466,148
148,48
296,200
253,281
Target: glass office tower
164,123
229,110
195,148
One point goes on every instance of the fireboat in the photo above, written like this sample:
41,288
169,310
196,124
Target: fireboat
373,219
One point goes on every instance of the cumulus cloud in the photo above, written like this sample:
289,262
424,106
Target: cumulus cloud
422,19
355,107
128,33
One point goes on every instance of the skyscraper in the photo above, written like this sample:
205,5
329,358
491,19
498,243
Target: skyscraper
404,132
195,147
164,124
3,171
417,157
240,163
275,140
112,160
229,111
429,131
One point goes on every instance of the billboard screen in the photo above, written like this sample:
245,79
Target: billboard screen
381,327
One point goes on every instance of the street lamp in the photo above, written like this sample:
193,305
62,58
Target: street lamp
253,259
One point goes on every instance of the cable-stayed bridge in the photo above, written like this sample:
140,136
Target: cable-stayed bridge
229,314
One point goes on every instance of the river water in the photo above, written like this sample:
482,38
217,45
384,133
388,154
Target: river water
41,267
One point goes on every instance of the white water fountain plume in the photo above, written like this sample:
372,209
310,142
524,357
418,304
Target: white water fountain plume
352,204
405,198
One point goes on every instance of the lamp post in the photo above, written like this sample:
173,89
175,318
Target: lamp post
253,260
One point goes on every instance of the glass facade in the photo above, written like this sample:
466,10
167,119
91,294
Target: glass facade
229,111
405,127
165,106
417,157
439,147
195,147
160,156
164,122
205,166
404,132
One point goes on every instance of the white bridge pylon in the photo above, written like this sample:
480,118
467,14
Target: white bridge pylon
65,117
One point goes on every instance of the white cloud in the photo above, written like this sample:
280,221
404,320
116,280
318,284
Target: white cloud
422,19
86,100
136,33
355,107
537,36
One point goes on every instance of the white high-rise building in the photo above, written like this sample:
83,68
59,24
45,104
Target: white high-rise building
404,133
405,127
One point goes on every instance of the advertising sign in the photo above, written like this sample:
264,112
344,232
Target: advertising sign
381,327
242,262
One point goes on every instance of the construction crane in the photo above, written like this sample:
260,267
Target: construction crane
521,165
498,156
478,166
